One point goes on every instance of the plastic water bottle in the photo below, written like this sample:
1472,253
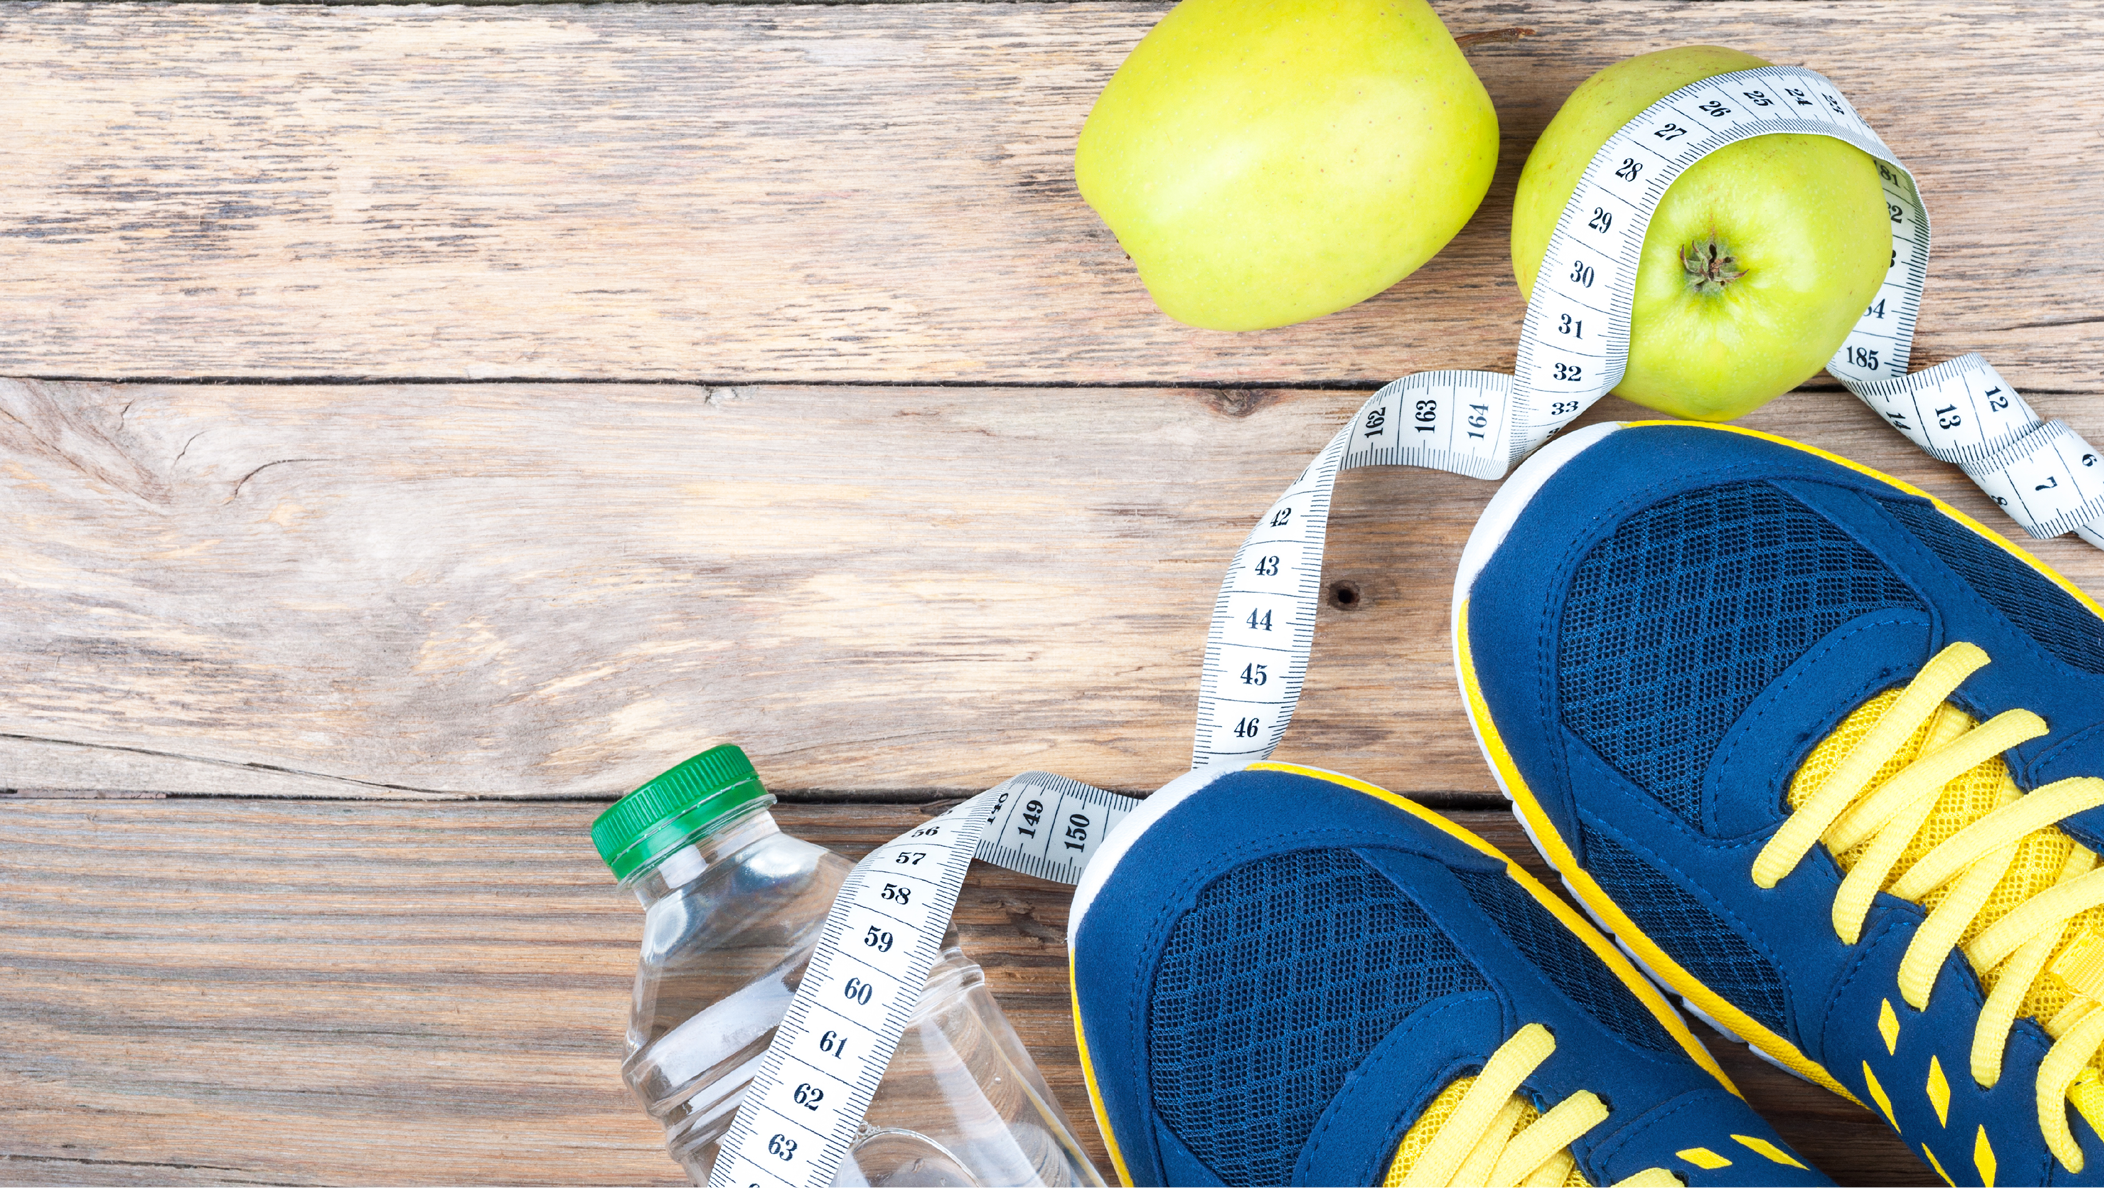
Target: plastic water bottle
733,908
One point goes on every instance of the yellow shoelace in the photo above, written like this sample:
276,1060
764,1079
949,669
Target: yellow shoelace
1480,1131
1912,797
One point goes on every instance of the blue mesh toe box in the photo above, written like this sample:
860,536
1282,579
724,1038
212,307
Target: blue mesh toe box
1281,972
1272,989
1669,624
1687,610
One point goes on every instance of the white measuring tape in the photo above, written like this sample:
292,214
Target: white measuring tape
804,1110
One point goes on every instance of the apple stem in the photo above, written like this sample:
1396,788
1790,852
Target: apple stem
1710,264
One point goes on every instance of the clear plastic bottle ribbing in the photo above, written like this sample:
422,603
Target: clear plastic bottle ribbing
731,919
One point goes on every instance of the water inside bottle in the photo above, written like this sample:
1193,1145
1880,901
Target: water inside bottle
731,923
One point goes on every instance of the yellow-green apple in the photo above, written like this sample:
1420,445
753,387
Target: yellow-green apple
1264,162
1758,261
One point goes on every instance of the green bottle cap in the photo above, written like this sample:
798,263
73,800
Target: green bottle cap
669,811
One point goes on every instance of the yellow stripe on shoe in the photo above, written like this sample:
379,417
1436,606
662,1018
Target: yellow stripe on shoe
1913,799
1088,1077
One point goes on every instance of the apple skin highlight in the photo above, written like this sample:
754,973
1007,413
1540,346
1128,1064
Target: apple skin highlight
1804,218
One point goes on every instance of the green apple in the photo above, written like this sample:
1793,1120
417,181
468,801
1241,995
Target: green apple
1758,262
1264,162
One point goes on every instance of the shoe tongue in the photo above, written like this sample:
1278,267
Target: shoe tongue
1743,788
2077,965
1436,1114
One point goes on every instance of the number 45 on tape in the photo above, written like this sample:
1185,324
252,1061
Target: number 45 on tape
1480,423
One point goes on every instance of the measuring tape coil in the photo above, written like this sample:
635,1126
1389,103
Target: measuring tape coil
884,932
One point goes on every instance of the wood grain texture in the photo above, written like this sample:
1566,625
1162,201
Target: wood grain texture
736,194
548,590
291,992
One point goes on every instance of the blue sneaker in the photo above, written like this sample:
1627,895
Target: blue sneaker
1286,976
1821,752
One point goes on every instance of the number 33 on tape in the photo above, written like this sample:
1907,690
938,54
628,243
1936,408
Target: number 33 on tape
1480,423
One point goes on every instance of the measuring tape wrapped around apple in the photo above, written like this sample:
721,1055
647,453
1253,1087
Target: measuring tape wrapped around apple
1481,423
1465,422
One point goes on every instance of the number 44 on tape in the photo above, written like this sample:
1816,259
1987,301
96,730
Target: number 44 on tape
1480,423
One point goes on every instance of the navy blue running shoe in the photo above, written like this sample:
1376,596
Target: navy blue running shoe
1822,753
1284,976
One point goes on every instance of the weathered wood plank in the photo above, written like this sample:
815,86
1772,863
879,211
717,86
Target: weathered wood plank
736,194
540,590
293,992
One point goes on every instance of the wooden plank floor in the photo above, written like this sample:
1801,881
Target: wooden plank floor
426,423
228,991
552,590
739,193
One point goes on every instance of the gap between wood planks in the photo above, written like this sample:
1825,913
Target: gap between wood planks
1817,384
936,799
